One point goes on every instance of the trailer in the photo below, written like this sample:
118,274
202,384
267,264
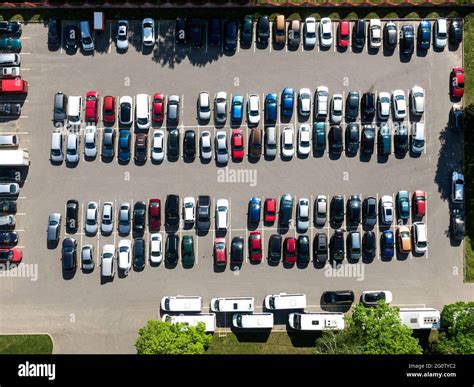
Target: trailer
14,158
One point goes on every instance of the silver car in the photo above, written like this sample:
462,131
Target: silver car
206,145
158,145
204,106
90,147
87,258
124,218
54,226
302,214
222,153
321,210
148,32
91,218
122,34
72,148
173,108
220,107
107,224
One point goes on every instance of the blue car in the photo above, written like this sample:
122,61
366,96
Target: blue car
255,204
287,101
237,108
124,148
271,103
388,243
424,35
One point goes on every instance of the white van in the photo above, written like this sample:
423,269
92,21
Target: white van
143,111
419,237
209,320
181,303
285,301
222,214
74,110
232,304
8,140
107,267
57,147
9,60
249,321
316,321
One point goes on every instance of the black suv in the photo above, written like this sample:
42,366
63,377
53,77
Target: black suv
358,35
172,211
407,39
215,32
196,33
263,30
367,106
338,297
203,212
337,209
69,254
352,138
172,249
139,254
352,105
189,144
274,248
139,214
72,215
320,247
54,33
353,209
337,246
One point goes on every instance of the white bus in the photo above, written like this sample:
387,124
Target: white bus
316,321
420,318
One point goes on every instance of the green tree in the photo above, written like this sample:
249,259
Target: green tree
370,331
160,338
456,335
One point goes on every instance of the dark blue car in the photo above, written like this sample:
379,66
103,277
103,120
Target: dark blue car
388,243
271,103
424,35
124,145
237,108
287,101
255,205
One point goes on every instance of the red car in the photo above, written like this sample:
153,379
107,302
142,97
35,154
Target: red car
10,255
92,106
237,144
158,107
255,246
270,210
220,252
343,33
154,214
419,203
289,250
108,112
457,82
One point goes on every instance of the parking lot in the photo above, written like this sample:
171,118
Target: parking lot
85,314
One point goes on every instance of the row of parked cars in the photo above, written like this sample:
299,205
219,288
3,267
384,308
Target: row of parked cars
8,206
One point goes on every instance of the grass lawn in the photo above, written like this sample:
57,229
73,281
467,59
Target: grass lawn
25,345
276,343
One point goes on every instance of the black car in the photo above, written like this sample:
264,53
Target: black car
125,113
189,144
60,106
141,148
246,31
368,139
69,254
335,140
337,209
172,249
354,208
180,33
8,238
203,212
455,31
458,225
274,248
237,250
196,32
72,215
215,32
7,206
352,138
320,247
390,35
173,144
368,245
139,215
13,27
71,39
369,211
352,105
401,140
231,31
139,253
108,143
10,109
407,39
54,33
336,246
358,35
456,115
367,106
338,297
302,249
172,211
263,30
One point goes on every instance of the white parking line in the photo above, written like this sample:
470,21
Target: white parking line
110,38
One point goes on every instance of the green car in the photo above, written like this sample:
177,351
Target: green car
385,140
403,205
302,247
10,44
187,250
286,209
319,136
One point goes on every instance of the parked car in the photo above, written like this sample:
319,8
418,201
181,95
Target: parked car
458,224
325,32
456,31
237,106
404,239
157,145
10,27
383,105
354,209
407,39
368,139
372,298
124,218
289,250
385,140
172,249
320,247
336,109
154,214
172,211
263,30
246,31
54,227
343,34
337,210
141,147
148,32
287,146
204,106
92,214
399,104
368,245
254,209
180,31
456,117
269,210
274,248
54,33
302,214
124,145
72,215
253,109
92,106
187,251
287,102
336,246
189,204
206,145
294,33
369,211
352,138
386,209
255,246
419,203
87,258
424,35
10,256
230,35
304,140
196,32
222,152
173,144
220,252
220,107
309,32
375,33
122,35
440,33
90,141
139,217
8,238
319,136
69,255
156,248
10,44
338,297
125,110
173,109
457,82
237,250
387,244
124,255
457,187
189,146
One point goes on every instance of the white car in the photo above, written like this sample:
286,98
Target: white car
122,34
90,146
440,30
189,203
204,106
10,72
156,248
325,32
417,102
206,145
107,261
399,104
107,223
91,218
310,32
148,32
302,214
222,214
158,145
124,218
124,255
253,109
287,146
220,107
386,209
375,33
304,140
383,105
72,148
336,108
321,210
9,188
372,297
322,101
457,190
222,153
304,102
126,110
